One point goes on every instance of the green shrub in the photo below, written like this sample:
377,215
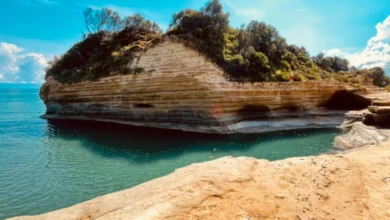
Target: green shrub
101,55
354,81
282,76
341,78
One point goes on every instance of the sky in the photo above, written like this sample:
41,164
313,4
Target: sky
32,32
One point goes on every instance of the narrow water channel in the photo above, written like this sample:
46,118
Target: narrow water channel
45,166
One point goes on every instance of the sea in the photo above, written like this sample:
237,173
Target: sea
49,165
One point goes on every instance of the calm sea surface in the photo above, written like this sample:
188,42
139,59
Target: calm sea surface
50,165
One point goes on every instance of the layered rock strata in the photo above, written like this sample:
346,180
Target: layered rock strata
379,113
354,185
181,89
368,126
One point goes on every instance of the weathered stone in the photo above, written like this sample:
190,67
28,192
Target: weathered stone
379,113
360,135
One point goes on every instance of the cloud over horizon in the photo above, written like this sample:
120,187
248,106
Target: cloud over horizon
376,52
17,66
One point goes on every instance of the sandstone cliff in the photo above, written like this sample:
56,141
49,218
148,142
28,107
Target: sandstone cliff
180,89
355,185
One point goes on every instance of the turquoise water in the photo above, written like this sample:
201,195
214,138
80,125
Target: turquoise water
46,166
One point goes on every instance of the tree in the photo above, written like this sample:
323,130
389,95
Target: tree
136,21
101,20
107,49
204,28
110,21
378,75
340,64
331,64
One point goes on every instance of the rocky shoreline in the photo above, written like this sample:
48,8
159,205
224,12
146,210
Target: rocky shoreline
362,128
354,184
351,185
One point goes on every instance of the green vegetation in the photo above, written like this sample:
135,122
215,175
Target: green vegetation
374,76
104,52
331,64
252,53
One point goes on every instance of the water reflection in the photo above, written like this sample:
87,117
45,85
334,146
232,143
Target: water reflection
145,145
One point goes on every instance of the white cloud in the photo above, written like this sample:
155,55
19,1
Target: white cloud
383,30
9,48
376,53
334,52
18,66
8,59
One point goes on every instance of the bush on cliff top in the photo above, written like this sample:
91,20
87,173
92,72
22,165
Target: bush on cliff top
251,53
105,53
255,52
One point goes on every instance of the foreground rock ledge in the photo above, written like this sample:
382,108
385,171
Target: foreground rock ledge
354,185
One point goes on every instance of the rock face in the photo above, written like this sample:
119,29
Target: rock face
354,185
368,126
180,89
360,135
379,113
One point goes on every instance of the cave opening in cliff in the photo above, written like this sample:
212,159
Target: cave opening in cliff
143,106
345,100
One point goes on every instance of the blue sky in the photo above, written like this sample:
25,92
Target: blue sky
33,31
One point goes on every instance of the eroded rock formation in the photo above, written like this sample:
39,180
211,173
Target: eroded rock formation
180,89
368,126
379,113
358,135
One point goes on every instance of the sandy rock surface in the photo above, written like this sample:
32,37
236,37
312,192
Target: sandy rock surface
353,185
